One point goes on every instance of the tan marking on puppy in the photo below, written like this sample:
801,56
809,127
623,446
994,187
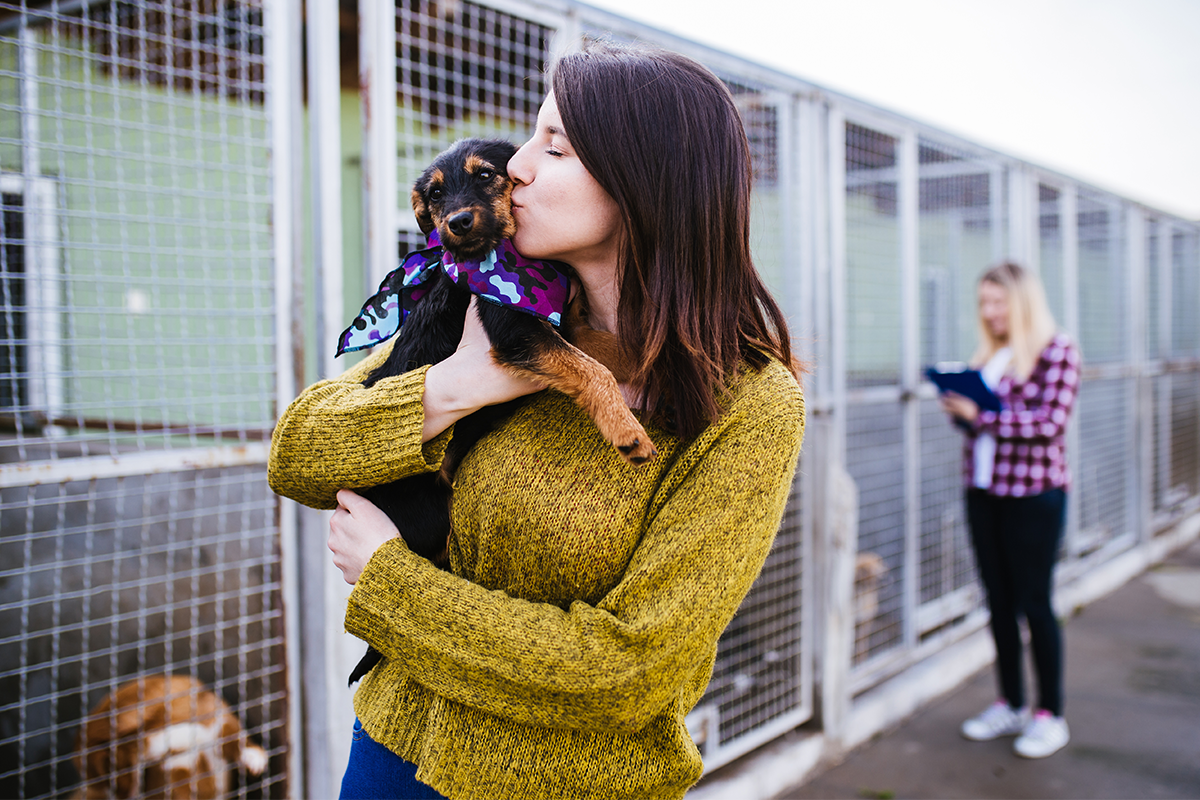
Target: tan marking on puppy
600,345
474,163
421,212
504,211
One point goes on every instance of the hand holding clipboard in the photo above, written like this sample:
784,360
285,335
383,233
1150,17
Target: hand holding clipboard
967,382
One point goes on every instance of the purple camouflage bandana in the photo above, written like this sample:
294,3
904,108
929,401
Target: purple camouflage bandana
503,277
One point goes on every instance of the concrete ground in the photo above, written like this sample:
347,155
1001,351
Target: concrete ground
1132,687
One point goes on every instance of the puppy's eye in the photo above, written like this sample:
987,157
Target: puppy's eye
486,174
435,193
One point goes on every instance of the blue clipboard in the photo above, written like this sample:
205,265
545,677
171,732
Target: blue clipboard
968,383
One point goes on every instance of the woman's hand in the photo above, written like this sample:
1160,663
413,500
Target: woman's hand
959,406
356,531
469,380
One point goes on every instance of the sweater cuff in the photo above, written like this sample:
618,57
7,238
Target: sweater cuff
407,392
380,589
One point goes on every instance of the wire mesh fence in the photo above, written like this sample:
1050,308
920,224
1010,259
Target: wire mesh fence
875,459
762,682
873,279
148,144
1184,254
1103,481
948,588
108,580
1050,253
1104,332
137,534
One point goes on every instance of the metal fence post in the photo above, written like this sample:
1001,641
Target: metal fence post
1136,230
1022,217
282,27
1069,215
325,139
377,84
838,535
908,195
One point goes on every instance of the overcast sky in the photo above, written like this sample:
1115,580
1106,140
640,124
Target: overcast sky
1107,91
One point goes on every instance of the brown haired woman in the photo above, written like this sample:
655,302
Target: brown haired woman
579,622
1017,479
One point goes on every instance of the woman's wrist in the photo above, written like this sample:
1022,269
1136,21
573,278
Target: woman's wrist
447,398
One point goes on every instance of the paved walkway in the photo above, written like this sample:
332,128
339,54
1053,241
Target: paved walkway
1132,688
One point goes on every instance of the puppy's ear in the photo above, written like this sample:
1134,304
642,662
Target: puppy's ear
421,210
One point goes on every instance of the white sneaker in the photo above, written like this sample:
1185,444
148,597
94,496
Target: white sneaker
1044,736
998,719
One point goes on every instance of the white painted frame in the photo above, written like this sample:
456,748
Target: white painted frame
43,292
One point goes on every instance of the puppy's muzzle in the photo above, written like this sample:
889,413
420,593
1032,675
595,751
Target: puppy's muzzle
460,224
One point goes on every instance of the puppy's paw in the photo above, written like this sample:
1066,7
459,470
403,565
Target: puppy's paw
638,450
254,759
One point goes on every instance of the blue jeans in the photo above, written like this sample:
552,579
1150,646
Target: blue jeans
376,773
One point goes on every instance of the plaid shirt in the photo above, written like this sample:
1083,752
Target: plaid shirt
1031,453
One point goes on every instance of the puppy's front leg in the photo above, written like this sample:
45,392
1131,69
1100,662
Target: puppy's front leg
534,349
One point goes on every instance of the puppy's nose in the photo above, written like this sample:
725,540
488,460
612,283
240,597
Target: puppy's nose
460,224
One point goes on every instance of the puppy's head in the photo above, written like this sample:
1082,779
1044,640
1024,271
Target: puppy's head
467,195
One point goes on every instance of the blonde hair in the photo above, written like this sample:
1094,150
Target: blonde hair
1031,326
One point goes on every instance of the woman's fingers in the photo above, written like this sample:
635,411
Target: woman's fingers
356,530
959,406
469,379
481,375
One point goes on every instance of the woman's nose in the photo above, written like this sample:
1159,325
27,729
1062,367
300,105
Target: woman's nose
519,166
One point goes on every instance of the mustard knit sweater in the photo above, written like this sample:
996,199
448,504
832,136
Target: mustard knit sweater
579,622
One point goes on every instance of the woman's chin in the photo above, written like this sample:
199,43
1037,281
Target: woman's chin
527,248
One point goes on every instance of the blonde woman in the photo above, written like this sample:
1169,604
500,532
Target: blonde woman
1017,478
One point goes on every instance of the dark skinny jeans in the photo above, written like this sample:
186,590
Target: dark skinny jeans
1016,541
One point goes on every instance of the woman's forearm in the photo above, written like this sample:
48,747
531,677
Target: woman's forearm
338,435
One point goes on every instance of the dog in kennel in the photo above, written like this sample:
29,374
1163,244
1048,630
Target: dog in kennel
162,736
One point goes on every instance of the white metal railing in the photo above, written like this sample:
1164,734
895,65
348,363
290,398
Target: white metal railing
138,372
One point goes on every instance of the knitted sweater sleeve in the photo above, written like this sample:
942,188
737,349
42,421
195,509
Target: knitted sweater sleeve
614,666
339,435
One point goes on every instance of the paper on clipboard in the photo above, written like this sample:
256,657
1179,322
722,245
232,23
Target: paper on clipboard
965,381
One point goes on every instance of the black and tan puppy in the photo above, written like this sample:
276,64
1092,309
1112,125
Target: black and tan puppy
465,197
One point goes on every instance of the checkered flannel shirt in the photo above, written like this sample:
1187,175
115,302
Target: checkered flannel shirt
1030,431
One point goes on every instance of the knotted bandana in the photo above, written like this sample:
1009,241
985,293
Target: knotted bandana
503,277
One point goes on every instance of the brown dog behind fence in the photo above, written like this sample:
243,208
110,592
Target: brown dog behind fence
162,736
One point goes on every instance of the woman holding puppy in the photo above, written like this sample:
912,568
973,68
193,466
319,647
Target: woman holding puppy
579,620
1017,479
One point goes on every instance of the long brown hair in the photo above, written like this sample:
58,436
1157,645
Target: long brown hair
662,135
